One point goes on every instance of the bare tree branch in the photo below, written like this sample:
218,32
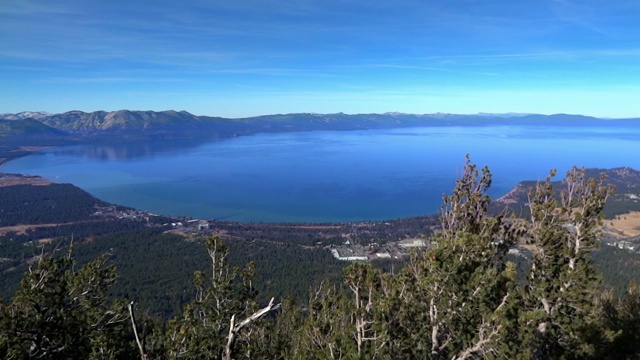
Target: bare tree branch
143,356
235,329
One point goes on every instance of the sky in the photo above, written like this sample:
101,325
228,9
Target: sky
256,57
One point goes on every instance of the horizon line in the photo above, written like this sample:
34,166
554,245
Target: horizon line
504,114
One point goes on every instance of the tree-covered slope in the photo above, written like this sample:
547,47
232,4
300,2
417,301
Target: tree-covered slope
54,203
29,131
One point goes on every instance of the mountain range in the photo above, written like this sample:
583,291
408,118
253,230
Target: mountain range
41,128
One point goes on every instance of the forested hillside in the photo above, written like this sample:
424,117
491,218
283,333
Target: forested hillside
155,267
460,299
55,203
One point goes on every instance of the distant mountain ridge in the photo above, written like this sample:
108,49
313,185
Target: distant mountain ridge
29,130
25,115
75,121
79,126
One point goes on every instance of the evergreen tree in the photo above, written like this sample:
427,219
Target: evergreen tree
367,328
621,320
454,298
558,318
60,312
210,326
326,329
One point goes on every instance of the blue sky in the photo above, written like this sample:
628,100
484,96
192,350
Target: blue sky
251,57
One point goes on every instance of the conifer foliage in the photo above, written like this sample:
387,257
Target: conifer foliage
61,312
212,325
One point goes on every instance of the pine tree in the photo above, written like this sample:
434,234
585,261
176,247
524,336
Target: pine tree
621,317
326,330
562,286
219,323
60,312
455,296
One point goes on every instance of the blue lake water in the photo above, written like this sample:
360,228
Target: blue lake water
325,176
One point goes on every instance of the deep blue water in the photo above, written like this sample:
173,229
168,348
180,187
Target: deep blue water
325,176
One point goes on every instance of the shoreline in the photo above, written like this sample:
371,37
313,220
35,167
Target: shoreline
18,152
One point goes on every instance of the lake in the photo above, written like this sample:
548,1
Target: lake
324,176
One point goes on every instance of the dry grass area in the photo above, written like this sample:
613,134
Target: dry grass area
12,180
625,224
22,229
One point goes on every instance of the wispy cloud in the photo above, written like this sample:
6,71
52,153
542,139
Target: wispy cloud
102,80
537,56
377,48
31,7
581,14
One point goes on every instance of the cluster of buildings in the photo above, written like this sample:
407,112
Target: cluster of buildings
374,251
119,213
193,226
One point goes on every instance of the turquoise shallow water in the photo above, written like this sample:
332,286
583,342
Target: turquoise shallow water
324,176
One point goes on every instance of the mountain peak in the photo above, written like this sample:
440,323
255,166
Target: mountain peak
26,115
